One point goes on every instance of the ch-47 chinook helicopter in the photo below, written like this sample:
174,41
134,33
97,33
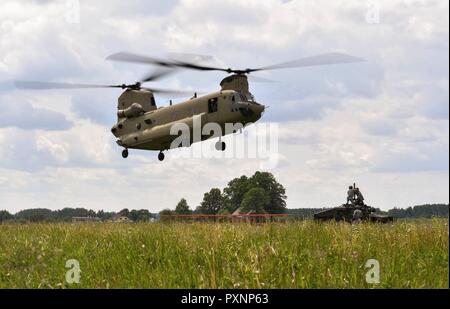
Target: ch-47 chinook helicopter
142,125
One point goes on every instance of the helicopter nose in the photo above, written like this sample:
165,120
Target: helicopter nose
251,111
261,109
258,109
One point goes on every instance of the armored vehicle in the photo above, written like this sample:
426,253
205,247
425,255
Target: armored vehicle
354,210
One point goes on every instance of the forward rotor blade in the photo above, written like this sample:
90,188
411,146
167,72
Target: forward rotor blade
324,59
199,67
134,58
129,57
47,85
187,57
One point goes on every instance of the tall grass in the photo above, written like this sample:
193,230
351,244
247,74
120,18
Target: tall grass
303,254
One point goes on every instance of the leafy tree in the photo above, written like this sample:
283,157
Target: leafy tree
409,212
235,191
165,213
256,200
276,191
5,215
182,208
144,215
224,211
139,215
66,214
124,212
105,215
213,202
133,215
35,215
238,187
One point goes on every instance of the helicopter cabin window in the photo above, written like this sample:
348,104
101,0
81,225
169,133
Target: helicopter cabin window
148,121
233,104
152,101
212,105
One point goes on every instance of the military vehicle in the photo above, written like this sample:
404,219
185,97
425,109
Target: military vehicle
142,125
354,210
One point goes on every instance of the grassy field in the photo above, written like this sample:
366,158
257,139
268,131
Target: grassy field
291,255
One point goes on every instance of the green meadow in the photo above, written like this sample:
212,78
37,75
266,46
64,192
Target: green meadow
303,254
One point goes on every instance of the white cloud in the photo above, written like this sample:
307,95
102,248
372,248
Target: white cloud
22,114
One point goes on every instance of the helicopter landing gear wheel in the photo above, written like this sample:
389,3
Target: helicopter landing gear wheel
221,146
125,153
161,156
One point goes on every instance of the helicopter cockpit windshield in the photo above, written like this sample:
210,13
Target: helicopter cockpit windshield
239,97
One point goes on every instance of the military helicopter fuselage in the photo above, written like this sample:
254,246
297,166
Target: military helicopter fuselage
142,125
137,128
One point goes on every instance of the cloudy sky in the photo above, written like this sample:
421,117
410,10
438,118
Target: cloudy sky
383,123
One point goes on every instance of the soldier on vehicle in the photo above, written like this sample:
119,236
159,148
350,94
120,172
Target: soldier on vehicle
350,195
359,197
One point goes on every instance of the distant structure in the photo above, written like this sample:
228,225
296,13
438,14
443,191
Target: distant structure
240,212
121,219
86,219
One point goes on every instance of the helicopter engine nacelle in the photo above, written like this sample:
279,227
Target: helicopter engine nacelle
133,110
236,82
129,97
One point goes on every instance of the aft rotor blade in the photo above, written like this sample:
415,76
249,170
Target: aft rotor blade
258,79
324,59
156,75
34,85
46,85
168,92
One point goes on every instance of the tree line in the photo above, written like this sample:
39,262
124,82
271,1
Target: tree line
421,211
261,193
67,214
